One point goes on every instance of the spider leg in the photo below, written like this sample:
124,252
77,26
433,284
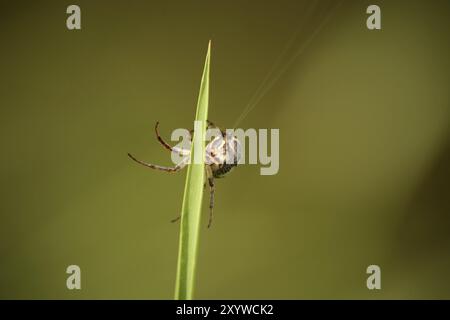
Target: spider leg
178,167
210,178
165,144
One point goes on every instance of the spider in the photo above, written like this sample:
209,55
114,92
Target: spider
223,147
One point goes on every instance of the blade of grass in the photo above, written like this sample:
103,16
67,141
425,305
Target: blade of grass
192,199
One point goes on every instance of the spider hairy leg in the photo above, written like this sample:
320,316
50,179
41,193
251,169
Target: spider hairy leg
210,178
177,168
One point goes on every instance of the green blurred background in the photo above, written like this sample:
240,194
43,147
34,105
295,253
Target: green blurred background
364,157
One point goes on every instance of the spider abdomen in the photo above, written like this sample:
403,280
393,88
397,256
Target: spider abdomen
222,170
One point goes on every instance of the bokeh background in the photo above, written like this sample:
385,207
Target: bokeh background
364,157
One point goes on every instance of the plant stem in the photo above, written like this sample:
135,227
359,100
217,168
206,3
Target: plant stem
192,199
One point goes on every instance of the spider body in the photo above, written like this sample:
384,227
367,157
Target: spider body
221,156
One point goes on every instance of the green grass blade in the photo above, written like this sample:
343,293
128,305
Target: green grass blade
192,199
